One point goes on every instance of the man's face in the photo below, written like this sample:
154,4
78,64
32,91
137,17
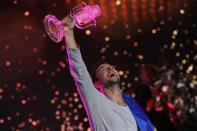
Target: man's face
107,74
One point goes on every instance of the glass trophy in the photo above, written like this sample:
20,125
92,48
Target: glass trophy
83,14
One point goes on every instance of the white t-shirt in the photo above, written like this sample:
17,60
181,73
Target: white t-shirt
103,113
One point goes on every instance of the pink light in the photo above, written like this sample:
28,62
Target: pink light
23,102
26,13
1,90
8,63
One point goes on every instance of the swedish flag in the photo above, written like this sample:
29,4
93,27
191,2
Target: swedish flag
143,122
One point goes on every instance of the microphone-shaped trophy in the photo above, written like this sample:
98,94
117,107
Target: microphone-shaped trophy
83,14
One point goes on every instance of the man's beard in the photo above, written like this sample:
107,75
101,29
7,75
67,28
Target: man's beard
111,82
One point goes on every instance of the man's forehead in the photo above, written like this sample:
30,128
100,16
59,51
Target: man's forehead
103,65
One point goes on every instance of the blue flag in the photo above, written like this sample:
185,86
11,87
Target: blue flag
141,118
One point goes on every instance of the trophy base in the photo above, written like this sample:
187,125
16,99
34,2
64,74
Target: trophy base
54,28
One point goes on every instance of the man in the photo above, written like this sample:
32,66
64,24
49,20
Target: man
107,109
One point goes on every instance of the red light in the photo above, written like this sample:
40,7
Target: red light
170,106
124,11
103,8
114,10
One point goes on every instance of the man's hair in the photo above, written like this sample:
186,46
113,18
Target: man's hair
93,72
96,80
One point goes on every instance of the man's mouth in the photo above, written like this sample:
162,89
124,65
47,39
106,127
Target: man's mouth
111,75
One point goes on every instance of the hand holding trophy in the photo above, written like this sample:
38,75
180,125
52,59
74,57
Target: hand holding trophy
84,16
68,23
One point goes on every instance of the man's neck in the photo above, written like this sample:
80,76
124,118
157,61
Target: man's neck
114,93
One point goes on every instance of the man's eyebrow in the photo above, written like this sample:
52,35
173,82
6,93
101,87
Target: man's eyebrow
101,67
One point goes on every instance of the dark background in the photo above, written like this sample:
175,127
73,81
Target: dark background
36,89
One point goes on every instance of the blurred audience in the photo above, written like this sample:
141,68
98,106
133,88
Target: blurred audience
144,96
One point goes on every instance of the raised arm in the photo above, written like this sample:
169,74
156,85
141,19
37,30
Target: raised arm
69,25
77,66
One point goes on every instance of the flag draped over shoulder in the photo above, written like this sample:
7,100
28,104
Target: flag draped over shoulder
142,120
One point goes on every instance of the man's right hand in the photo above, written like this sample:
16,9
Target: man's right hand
68,23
